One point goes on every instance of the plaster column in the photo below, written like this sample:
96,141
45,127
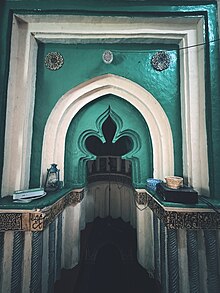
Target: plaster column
145,239
173,263
213,282
59,246
183,261
17,261
71,236
157,272
193,260
163,257
36,262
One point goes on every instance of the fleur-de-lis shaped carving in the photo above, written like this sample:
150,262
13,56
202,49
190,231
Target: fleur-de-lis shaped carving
122,146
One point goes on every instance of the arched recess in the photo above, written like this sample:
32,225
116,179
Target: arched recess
70,103
88,122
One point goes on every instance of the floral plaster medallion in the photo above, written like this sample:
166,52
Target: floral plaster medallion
54,61
160,61
107,57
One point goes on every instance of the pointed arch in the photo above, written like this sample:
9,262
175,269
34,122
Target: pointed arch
71,102
77,153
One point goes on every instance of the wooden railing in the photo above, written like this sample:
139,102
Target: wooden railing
109,164
106,168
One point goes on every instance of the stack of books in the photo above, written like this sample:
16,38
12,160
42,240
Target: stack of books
28,194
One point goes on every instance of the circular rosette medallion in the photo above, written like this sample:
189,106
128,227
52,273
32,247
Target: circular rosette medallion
160,61
54,61
107,57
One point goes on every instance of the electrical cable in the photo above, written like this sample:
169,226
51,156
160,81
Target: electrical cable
177,49
208,203
201,44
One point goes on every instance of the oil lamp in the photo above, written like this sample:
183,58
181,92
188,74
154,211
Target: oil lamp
52,182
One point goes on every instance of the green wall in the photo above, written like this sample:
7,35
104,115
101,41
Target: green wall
83,62
130,8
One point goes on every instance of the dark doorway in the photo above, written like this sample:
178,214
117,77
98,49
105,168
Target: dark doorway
108,262
107,275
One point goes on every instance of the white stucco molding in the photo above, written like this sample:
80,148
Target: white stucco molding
64,28
68,106
20,108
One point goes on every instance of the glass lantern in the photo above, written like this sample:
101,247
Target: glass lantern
52,182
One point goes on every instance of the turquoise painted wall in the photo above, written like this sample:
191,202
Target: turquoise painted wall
83,62
133,8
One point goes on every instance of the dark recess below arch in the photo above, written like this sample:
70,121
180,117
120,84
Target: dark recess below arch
108,262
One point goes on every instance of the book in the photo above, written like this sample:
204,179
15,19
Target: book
28,193
185,194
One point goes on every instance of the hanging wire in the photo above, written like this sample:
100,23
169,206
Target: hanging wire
208,203
201,44
176,49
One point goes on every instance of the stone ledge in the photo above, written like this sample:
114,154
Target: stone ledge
38,219
180,216
176,217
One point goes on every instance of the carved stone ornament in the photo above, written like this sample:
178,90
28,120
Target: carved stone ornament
10,221
39,219
141,198
160,61
175,219
53,61
107,57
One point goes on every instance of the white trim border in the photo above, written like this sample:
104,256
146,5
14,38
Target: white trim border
26,29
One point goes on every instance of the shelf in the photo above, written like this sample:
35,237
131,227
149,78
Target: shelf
180,216
38,214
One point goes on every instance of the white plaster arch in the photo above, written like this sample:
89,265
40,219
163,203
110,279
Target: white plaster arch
71,102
